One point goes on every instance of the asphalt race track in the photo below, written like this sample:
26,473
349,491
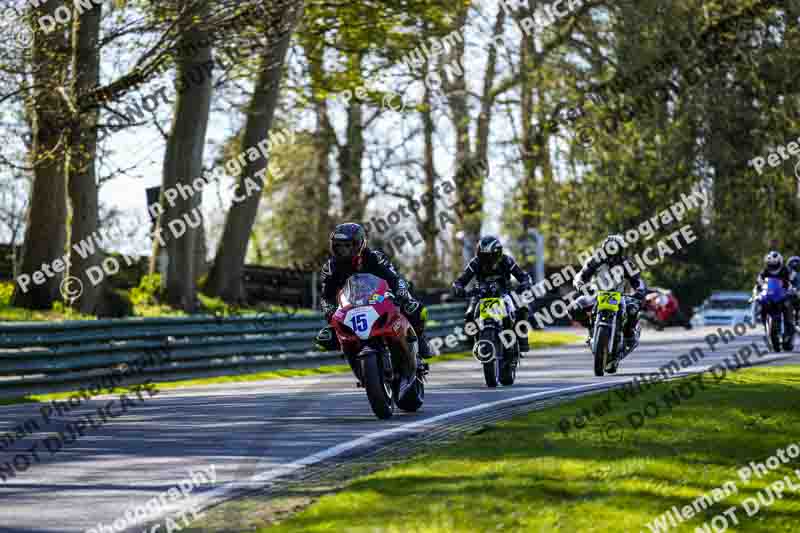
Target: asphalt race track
256,433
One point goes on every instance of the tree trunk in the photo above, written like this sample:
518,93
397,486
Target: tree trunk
82,180
456,90
45,229
351,160
183,162
469,180
430,231
225,277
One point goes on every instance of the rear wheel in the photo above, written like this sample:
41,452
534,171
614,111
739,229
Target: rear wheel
508,373
379,392
601,350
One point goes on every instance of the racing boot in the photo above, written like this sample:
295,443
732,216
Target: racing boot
524,345
788,343
631,342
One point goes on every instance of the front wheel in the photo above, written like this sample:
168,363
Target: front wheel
490,368
601,350
379,392
774,333
490,374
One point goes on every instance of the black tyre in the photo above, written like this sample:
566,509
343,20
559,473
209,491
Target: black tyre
490,374
379,392
508,373
414,399
774,333
490,369
601,350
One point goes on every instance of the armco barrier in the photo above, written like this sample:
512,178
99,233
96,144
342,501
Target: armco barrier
43,357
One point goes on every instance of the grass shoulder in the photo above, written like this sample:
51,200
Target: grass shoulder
526,471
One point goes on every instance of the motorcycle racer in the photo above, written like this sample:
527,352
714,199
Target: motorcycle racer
491,264
774,268
612,245
349,255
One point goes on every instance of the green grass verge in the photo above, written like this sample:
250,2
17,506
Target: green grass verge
538,340
526,475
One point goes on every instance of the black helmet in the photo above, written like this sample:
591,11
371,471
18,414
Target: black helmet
490,251
347,245
613,245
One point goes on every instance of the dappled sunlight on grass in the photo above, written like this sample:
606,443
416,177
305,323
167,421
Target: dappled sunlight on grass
526,475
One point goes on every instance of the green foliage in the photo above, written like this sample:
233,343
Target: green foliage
59,310
694,121
148,291
6,290
293,227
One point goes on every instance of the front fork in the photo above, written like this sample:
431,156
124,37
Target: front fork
384,360
615,321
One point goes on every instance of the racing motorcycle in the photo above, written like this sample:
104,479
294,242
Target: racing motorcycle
771,301
608,318
499,363
380,345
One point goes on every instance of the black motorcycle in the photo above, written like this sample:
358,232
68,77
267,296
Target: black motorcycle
493,318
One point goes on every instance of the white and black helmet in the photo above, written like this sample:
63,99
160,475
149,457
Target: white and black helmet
490,251
793,263
613,245
773,261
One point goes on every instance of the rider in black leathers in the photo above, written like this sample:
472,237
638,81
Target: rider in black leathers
612,246
350,255
490,264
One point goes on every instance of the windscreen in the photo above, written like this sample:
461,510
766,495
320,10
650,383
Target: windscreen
774,287
358,289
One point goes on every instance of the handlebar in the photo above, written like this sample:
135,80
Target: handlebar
493,289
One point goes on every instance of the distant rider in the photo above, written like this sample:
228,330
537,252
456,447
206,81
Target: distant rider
612,245
350,255
490,264
774,268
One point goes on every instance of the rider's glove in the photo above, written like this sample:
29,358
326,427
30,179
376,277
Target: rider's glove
459,291
328,311
578,283
402,294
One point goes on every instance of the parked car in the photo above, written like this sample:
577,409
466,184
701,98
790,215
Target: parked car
724,308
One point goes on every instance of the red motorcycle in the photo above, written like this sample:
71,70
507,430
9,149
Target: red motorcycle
380,345
662,309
